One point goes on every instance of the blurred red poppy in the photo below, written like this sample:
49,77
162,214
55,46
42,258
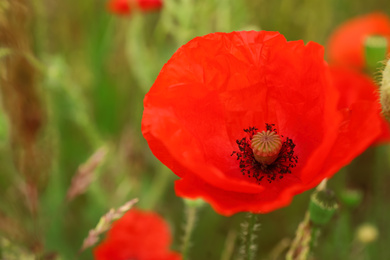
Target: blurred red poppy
137,235
346,44
220,91
126,6
359,90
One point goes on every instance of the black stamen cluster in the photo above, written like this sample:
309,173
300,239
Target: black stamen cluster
252,168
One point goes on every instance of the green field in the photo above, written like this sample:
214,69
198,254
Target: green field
73,79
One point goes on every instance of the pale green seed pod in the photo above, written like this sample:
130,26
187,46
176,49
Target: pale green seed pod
322,206
351,198
385,91
266,146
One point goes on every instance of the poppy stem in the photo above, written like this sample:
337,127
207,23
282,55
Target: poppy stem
229,245
385,91
248,236
158,187
322,206
300,247
191,211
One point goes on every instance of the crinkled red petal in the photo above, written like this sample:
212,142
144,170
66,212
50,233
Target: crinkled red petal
215,86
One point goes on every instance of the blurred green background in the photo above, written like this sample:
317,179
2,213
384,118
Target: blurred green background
79,77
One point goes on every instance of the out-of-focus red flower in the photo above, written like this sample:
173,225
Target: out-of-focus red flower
346,44
359,91
137,235
126,6
217,85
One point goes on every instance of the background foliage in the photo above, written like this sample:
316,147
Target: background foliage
80,74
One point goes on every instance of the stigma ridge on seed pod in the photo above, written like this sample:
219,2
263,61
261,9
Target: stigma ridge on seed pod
265,154
266,146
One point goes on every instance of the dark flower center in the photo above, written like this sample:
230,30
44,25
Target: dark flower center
265,154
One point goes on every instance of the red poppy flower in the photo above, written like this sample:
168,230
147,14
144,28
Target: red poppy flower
346,44
137,235
223,93
359,90
126,6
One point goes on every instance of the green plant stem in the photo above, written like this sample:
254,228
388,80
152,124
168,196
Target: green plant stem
279,249
158,186
315,232
300,247
188,229
229,245
137,50
40,27
251,236
248,236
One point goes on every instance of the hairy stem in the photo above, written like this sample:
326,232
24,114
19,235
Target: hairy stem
248,235
191,211
300,247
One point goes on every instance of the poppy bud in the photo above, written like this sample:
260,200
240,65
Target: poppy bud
266,146
375,48
351,198
322,206
385,91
